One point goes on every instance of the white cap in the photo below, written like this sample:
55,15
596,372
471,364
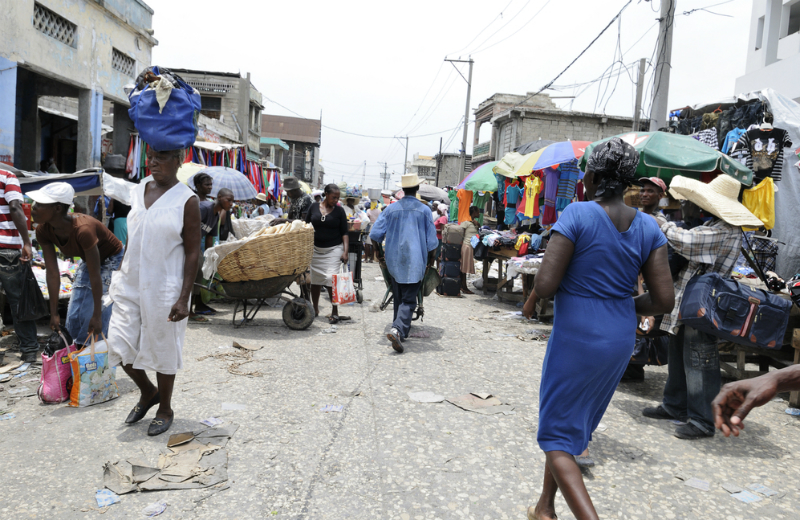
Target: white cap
53,193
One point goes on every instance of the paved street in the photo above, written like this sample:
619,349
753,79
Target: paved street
384,456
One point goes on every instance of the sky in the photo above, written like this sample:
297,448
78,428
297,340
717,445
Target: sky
377,68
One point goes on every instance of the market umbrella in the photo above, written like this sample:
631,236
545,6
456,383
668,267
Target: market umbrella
559,153
514,164
533,146
666,155
429,193
234,180
481,179
305,187
187,171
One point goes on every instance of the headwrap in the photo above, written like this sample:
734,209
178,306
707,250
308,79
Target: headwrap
614,163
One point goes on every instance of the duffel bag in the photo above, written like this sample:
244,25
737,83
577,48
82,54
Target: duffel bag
735,312
451,253
172,126
453,234
450,269
449,287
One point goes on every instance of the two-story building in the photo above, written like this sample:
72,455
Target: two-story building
294,144
773,50
424,166
86,50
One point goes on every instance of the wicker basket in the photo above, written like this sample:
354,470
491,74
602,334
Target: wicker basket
269,256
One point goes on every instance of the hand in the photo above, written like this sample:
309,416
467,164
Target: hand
344,258
735,401
179,311
55,323
95,325
648,322
529,309
26,254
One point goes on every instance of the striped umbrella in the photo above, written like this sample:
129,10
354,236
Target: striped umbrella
234,180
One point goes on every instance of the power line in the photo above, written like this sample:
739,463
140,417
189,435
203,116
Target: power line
503,26
500,15
524,26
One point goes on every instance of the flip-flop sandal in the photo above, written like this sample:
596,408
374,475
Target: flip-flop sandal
584,462
345,318
207,312
199,319
333,320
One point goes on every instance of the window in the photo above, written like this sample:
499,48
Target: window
123,63
760,33
255,119
794,17
211,106
53,25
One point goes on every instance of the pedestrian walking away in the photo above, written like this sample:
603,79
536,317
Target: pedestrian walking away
152,289
693,359
410,244
594,256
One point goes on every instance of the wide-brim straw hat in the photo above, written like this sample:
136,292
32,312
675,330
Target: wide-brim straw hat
719,197
410,180
262,197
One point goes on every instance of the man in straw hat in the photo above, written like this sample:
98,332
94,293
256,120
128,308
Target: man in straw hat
410,243
694,376
299,202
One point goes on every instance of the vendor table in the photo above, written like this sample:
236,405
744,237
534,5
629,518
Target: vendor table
505,287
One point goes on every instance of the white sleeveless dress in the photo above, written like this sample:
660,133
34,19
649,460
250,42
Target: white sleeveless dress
148,284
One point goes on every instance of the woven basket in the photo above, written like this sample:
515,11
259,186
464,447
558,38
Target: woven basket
269,256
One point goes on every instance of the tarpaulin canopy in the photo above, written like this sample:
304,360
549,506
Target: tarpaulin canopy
86,182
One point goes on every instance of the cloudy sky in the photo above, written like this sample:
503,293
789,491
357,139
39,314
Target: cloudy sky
376,68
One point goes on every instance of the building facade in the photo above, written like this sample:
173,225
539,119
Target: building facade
231,106
86,50
773,51
303,139
448,169
424,166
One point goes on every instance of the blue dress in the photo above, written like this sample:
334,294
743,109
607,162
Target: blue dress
595,323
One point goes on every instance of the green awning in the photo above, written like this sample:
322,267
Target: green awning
274,141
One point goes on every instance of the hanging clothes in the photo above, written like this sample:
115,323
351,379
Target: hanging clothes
530,197
550,191
453,196
479,200
731,138
760,200
708,137
464,202
766,151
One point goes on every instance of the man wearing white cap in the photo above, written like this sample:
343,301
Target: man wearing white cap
15,250
694,376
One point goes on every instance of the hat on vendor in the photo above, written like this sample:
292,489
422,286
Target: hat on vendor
53,193
262,197
410,180
290,183
656,181
719,197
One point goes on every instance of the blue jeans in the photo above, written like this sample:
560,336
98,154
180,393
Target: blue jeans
81,303
405,302
11,278
694,378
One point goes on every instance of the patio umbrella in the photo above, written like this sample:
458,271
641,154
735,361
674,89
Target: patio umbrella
305,187
187,171
665,155
234,180
516,165
481,179
429,193
533,146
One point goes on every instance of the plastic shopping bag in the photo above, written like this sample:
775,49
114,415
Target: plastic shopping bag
56,379
32,305
93,381
343,289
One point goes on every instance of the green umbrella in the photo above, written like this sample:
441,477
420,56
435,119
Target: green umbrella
481,179
665,155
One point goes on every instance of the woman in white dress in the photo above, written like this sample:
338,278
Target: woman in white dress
152,288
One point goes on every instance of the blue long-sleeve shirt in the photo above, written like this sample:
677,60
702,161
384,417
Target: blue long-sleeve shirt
410,235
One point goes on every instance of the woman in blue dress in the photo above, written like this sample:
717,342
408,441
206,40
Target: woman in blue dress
593,259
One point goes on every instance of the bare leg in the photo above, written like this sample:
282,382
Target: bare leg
148,391
568,476
464,288
166,382
315,290
335,311
546,507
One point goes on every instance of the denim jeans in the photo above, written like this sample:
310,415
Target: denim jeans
694,378
81,304
405,302
11,278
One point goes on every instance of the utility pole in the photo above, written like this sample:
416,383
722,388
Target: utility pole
364,175
639,92
384,175
466,116
405,163
658,114
438,162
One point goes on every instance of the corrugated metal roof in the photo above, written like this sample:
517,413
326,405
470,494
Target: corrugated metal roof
291,128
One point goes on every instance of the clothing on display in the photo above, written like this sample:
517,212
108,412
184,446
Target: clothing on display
479,200
453,196
766,151
464,202
708,137
732,137
760,200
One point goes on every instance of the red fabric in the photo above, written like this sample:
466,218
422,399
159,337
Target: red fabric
9,185
523,249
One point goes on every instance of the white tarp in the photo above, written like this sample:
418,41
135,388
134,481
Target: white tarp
118,189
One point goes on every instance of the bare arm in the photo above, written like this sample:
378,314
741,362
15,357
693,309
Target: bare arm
53,281
191,246
660,295
346,242
554,265
21,223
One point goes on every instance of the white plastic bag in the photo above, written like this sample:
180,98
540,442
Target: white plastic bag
344,290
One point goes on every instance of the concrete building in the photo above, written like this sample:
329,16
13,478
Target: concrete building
234,105
773,51
86,50
424,166
303,138
517,120
448,166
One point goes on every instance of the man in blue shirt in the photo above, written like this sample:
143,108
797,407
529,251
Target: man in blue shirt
410,245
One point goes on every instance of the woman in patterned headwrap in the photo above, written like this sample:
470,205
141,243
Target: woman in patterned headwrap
593,258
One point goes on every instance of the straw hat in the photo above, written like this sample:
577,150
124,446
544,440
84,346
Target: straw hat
410,180
262,197
719,197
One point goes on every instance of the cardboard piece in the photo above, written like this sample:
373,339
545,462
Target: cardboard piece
486,404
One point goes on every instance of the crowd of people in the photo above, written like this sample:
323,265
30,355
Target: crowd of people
612,270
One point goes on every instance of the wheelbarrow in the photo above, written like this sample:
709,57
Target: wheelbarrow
430,281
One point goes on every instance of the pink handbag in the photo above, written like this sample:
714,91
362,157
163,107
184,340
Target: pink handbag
56,380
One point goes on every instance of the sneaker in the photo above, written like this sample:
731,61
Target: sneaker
691,432
657,412
396,339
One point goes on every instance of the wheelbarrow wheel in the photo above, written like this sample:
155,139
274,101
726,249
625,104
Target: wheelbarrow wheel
359,296
298,314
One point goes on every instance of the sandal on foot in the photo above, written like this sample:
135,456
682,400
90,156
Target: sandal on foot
584,462
138,412
333,320
199,319
159,426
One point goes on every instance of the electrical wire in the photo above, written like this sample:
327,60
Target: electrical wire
500,15
524,26
502,27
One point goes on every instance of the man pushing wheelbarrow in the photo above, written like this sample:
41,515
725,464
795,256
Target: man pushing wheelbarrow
411,243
